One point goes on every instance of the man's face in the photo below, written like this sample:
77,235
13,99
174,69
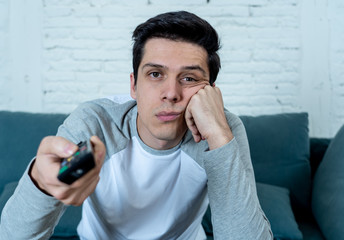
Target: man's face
170,73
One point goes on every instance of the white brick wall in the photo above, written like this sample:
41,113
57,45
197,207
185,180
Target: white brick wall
336,64
277,55
4,55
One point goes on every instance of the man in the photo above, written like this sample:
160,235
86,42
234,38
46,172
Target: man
160,160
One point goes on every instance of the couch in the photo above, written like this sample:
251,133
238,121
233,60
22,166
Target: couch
300,180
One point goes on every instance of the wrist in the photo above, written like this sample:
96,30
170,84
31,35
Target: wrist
219,140
33,174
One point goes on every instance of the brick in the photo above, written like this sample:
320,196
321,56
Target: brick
65,2
121,86
70,87
97,34
276,55
236,56
118,44
272,22
272,33
96,55
71,44
86,11
75,66
124,23
58,34
69,22
95,76
65,98
234,11
238,2
257,11
57,12
281,77
178,2
57,54
285,2
59,76
255,67
116,66
278,89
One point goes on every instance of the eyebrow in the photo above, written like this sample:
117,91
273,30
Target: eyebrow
192,67
153,65
195,67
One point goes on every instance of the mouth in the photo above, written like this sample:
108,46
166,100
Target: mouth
168,116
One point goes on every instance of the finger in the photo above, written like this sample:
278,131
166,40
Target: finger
192,126
78,197
87,190
86,179
58,146
195,133
68,193
99,150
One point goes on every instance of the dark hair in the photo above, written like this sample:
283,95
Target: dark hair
179,26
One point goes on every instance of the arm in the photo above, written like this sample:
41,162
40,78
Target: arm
39,200
236,212
29,213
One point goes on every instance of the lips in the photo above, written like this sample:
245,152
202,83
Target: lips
167,116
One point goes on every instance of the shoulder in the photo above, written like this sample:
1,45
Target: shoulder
97,117
103,109
104,105
233,120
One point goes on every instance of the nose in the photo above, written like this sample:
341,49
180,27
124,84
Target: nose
172,90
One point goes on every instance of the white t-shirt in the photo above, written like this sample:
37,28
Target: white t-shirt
146,194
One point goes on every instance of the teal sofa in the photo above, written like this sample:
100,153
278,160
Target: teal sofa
300,180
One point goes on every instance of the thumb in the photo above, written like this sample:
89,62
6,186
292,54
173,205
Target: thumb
58,146
191,124
99,150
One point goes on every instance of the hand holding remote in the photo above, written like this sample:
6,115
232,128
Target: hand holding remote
77,165
47,166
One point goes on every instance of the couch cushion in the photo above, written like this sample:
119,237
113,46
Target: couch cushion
328,189
20,135
275,203
279,146
68,222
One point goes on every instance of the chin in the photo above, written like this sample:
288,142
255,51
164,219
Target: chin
170,134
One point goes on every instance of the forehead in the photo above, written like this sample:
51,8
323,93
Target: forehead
174,53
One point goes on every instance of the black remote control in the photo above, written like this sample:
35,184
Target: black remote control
78,164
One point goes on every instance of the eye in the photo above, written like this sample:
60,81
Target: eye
155,74
189,79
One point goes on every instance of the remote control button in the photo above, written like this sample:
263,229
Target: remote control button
64,168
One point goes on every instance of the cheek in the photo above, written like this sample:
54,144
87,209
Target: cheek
144,105
189,92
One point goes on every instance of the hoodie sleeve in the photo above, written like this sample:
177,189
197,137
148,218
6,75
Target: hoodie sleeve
236,212
29,213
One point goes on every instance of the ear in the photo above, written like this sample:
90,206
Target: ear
132,86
